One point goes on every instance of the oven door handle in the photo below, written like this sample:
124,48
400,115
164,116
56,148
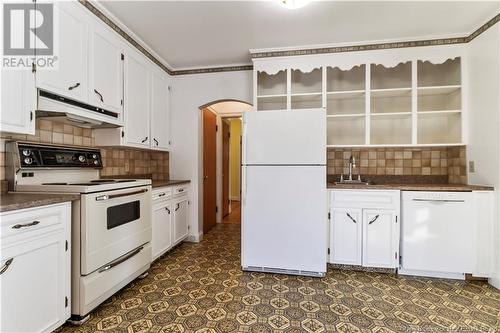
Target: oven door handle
121,259
113,196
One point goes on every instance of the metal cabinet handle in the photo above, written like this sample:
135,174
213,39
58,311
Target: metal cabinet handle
180,190
374,219
156,141
145,139
113,196
161,194
168,210
100,96
25,225
76,85
177,207
6,265
352,219
120,260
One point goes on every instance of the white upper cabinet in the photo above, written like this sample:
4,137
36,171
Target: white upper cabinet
396,97
160,111
18,101
106,69
70,77
137,100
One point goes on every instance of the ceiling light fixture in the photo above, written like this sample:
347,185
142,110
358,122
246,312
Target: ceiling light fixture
293,4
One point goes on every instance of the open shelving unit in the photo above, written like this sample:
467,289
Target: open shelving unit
410,103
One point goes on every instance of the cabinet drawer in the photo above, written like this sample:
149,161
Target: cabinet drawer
163,193
365,199
28,221
181,190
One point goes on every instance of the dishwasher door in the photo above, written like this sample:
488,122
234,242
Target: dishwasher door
437,233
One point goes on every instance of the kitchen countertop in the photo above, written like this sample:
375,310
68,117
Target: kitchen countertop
14,201
412,187
166,183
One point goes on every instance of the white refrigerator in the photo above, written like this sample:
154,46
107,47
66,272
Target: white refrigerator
284,196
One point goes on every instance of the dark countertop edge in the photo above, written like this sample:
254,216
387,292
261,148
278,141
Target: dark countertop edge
16,201
168,183
412,187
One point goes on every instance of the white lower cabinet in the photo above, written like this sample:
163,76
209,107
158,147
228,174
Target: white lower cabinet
35,269
161,240
345,235
180,219
380,240
364,229
170,224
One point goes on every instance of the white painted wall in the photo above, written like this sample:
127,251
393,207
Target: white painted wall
186,158
484,121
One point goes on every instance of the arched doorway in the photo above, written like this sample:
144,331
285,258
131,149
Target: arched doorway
221,161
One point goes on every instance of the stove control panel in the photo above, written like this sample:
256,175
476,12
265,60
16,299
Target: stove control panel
48,156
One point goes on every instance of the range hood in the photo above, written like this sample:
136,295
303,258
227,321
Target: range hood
66,110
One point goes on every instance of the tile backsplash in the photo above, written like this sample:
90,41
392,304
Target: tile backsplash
435,161
117,161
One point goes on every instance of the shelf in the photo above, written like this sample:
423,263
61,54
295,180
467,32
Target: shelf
347,94
445,74
434,128
390,92
271,96
391,130
271,84
306,82
352,79
439,111
346,115
308,94
307,101
345,130
391,114
276,102
438,90
393,77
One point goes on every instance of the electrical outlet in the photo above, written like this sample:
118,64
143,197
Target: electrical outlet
472,167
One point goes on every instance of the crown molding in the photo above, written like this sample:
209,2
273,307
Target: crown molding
109,19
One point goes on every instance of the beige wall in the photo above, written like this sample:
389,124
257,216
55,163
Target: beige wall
234,158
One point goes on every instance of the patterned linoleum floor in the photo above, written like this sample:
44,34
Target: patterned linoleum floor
200,288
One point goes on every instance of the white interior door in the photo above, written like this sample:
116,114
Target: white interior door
346,236
284,220
379,241
284,137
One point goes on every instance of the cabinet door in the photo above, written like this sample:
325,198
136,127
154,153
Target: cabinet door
70,77
380,241
160,112
33,285
137,108
345,236
106,69
18,101
180,220
161,229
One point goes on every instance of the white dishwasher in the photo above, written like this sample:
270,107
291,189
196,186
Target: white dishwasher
437,231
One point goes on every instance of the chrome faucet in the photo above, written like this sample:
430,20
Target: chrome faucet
352,164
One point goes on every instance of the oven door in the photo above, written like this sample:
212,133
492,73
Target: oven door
113,223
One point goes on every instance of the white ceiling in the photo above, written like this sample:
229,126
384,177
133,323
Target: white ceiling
218,33
230,108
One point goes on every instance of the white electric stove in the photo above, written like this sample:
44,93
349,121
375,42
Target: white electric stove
111,223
